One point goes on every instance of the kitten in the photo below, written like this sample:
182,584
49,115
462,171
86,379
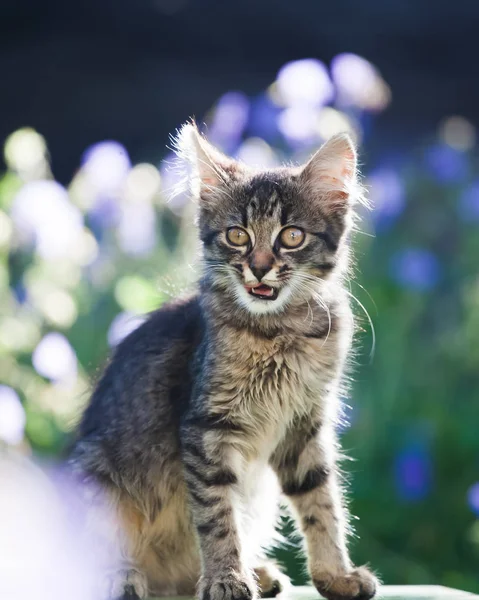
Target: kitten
219,402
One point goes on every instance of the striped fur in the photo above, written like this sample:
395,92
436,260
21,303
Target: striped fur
220,402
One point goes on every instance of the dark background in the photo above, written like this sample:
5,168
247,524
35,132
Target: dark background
135,69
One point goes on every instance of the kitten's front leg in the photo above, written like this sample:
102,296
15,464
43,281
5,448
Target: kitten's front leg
306,469
212,481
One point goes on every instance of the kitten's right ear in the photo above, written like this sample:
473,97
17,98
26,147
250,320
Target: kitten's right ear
209,171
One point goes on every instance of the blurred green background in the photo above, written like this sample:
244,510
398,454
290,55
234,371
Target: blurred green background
81,263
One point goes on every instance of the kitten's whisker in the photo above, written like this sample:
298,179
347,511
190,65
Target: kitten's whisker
368,294
371,324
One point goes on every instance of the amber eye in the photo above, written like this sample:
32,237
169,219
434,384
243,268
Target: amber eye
291,237
237,236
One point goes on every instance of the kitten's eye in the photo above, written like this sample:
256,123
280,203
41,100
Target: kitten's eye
291,237
237,236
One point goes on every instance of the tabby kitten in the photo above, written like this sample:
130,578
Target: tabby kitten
218,403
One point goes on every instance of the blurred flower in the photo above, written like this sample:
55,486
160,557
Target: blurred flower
304,82
331,121
359,83
473,498
469,203
386,192
122,325
56,305
136,294
18,334
458,133
20,292
413,473
230,116
415,268
86,249
446,164
257,153
45,548
137,228
106,165
5,229
263,118
104,214
12,416
298,125
55,359
142,183
43,214
26,152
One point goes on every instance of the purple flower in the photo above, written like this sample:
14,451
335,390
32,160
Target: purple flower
263,118
473,498
415,268
387,196
229,120
469,203
105,213
446,164
413,473
106,165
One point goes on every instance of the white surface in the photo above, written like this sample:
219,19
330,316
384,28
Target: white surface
421,592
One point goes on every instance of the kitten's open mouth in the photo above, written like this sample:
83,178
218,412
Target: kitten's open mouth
262,291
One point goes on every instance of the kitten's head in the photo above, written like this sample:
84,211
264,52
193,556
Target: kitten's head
270,237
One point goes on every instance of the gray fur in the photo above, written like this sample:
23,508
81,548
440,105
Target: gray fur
219,402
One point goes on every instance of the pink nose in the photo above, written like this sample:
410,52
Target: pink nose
261,262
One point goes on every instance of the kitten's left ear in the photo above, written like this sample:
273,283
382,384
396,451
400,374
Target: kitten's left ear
330,175
209,170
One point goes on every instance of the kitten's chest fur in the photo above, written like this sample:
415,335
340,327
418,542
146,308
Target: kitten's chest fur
264,384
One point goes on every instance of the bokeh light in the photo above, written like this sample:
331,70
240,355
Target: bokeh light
298,125
387,196
44,545
469,203
263,118
122,325
415,268
106,166
257,153
25,152
473,498
413,473
330,121
230,117
304,83
142,183
137,228
55,359
458,132
359,83
12,416
446,164
43,215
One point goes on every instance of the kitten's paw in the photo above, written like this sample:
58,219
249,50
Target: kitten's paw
229,587
129,593
358,584
126,584
271,581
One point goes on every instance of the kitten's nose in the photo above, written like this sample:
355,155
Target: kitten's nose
261,263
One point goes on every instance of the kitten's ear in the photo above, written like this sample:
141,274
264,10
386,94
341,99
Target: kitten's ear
330,175
209,170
